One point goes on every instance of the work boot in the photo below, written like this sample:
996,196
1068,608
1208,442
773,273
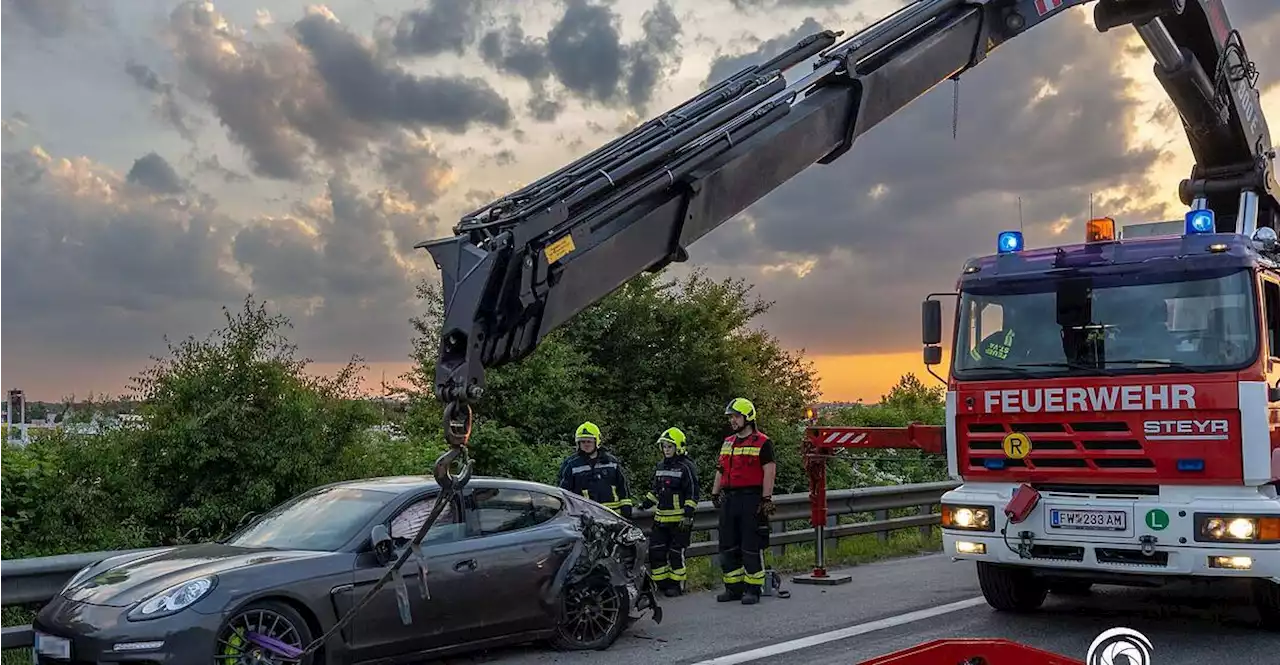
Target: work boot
751,598
671,591
729,595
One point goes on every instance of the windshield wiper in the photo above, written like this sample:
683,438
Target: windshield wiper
1166,363
1069,365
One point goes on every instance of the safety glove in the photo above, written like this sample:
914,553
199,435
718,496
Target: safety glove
716,500
647,504
686,523
767,508
626,512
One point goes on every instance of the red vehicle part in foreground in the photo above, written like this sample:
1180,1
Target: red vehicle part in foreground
976,651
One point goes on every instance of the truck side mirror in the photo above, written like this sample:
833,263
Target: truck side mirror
1273,392
931,322
932,355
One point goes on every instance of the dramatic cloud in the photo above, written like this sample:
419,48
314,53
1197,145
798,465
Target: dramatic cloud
179,161
167,107
154,172
322,97
417,169
86,249
584,52
445,25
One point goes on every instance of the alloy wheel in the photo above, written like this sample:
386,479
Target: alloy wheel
591,612
245,638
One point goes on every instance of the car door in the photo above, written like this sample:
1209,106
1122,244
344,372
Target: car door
377,630
518,550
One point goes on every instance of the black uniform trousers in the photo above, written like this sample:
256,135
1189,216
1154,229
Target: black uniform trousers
667,544
742,537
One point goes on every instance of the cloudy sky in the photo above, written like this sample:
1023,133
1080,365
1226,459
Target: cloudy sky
163,158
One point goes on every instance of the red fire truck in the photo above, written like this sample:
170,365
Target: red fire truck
1110,410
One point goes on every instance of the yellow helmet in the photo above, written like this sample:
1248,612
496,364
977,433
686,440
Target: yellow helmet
675,437
743,406
588,430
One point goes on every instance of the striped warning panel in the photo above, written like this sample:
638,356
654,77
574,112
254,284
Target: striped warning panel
844,437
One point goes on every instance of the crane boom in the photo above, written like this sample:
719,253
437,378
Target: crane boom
526,263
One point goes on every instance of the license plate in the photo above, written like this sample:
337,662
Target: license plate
1089,520
52,646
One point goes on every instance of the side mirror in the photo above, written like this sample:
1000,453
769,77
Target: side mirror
1273,392
931,322
932,355
382,548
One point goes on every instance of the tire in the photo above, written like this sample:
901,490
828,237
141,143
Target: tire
1011,589
1070,587
582,632
1266,598
284,623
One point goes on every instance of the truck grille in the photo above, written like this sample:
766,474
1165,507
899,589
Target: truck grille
1095,446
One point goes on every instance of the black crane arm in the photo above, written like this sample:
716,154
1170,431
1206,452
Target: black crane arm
524,264
1202,63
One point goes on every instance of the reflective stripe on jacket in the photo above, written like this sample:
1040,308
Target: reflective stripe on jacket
675,487
740,461
600,479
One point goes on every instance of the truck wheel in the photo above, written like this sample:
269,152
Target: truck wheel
1011,589
1266,597
1070,587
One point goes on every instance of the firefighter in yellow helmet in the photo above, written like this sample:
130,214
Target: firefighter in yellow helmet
675,494
745,476
595,473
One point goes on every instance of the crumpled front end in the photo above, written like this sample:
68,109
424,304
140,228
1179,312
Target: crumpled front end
614,549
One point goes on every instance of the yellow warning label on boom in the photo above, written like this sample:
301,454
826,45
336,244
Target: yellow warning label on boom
559,249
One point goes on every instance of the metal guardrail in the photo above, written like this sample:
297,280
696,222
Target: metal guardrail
38,580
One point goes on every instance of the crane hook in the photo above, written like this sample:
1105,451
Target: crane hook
456,433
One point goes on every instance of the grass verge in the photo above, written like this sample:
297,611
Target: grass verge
704,572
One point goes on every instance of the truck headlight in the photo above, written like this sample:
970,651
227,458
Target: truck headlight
967,518
1237,528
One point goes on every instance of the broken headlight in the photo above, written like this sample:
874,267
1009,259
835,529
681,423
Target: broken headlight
631,535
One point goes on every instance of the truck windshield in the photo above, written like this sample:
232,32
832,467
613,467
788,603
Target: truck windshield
1107,324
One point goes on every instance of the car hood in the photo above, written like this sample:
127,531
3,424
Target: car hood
136,579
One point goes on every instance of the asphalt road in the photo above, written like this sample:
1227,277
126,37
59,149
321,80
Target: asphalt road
897,604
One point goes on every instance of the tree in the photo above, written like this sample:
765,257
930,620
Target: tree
651,355
234,424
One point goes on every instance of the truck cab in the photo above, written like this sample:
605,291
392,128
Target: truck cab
1113,411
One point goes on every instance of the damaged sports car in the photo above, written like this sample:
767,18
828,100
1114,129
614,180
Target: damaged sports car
506,562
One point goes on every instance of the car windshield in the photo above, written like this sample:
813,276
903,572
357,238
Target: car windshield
1107,324
322,520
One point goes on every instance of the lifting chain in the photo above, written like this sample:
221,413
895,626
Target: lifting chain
457,432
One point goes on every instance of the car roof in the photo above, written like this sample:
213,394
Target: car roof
402,484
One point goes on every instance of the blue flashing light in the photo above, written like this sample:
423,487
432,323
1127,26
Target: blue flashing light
1009,241
1191,465
1200,221
993,463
